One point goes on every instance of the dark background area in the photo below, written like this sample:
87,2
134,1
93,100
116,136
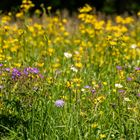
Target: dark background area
107,6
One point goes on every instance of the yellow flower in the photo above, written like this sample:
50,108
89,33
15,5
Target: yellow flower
94,125
64,20
17,64
26,5
50,80
49,8
8,57
85,9
114,90
128,20
65,97
93,82
105,83
102,136
20,15
5,19
99,99
82,113
40,64
37,11
50,51
77,80
138,13
66,34
119,19
78,65
68,84
14,49
113,43
5,46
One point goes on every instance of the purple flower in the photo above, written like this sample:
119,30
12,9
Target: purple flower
129,79
59,103
119,67
41,76
137,68
121,91
34,70
30,70
15,73
7,69
138,94
87,87
25,71
93,91
1,65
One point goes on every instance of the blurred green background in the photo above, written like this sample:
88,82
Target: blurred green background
107,6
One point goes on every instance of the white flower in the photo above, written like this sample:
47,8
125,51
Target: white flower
67,55
133,46
118,85
82,89
76,52
127,99
74,69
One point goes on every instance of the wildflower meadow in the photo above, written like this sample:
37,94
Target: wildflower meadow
69,78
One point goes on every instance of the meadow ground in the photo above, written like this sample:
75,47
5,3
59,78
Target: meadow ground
65,78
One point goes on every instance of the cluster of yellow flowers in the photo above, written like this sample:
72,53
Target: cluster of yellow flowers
24,8
92,35
116,35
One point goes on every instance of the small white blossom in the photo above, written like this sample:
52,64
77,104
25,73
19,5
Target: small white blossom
67,55
76,52
82,89
74,69
127,99
133,46
118,85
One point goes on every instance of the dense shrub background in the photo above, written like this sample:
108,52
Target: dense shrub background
107,6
